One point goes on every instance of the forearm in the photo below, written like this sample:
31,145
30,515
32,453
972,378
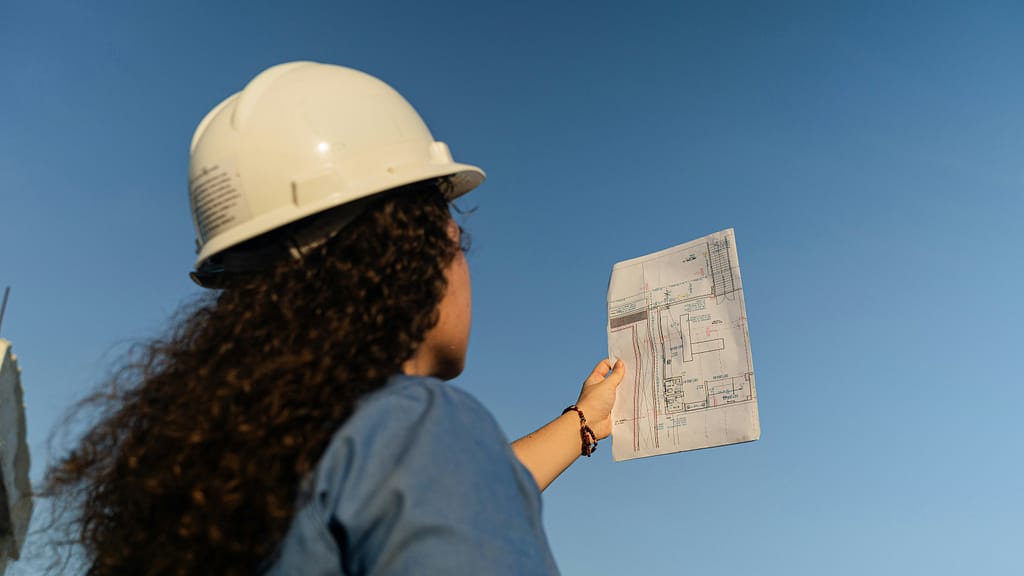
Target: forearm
551,449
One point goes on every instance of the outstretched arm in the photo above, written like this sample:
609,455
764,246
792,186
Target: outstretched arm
547,452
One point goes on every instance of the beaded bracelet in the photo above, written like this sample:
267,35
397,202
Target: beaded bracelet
587,437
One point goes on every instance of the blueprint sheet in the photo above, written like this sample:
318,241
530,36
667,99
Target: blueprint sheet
677,319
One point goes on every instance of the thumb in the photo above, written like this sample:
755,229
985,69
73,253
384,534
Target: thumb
618,373
599,373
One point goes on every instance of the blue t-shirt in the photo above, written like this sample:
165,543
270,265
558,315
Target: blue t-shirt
419,480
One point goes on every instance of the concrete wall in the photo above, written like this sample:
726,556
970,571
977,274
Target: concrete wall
15,489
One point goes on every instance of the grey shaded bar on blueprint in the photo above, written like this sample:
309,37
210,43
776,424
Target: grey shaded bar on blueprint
628,319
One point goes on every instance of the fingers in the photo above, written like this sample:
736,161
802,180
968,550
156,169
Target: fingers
600,372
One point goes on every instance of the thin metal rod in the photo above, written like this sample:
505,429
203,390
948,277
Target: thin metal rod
3,307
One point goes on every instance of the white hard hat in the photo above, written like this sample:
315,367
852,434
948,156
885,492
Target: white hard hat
300,139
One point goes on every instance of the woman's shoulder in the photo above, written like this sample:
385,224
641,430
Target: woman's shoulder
421,476
419,398
422,452
408,422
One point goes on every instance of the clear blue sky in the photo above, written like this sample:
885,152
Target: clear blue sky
868,155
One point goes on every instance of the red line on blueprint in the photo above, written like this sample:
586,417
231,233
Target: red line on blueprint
654,386
636,385
636,392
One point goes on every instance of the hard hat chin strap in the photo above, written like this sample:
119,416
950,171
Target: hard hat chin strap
315,231
292,242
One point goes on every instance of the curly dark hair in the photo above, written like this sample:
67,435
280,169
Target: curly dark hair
194,464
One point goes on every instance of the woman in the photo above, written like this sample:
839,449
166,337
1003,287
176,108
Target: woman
298,422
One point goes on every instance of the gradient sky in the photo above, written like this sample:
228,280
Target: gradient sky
868,155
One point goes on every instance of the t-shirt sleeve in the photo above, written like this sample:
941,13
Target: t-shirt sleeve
421,480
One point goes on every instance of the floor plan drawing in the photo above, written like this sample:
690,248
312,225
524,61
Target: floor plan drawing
678,320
